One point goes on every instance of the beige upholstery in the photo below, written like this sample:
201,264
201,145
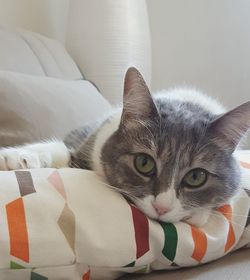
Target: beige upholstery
34,108
46,96
104,37
30,53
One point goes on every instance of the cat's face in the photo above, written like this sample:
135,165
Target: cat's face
170,162
167,172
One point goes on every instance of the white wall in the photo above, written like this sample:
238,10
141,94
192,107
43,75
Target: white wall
202,43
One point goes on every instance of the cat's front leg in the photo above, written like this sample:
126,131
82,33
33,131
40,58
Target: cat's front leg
40,155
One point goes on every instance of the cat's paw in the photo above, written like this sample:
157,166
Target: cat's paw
21,158
199,219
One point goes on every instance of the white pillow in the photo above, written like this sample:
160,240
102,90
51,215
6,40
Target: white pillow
34,108
58,224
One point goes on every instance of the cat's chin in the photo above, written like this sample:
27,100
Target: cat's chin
173,217
197,219
167,218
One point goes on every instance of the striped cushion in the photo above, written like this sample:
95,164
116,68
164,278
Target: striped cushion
67,223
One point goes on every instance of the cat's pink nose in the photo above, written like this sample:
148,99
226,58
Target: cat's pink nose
161,210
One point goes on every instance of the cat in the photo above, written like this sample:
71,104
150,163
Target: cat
171,154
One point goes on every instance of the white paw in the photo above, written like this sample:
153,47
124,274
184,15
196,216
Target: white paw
19,158
199,218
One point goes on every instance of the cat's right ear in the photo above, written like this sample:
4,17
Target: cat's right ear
138,104
228,129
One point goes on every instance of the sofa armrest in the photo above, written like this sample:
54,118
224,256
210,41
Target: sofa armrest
105,37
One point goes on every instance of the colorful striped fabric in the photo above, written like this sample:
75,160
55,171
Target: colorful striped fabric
66,224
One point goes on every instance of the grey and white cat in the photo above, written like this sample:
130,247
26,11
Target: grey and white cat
171,153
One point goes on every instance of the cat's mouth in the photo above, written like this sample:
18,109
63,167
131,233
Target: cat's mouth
172,219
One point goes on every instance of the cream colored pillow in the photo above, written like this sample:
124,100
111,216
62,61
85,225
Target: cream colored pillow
34,108
67,224
31,53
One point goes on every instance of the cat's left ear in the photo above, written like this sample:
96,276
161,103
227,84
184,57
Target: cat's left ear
228,129
138,104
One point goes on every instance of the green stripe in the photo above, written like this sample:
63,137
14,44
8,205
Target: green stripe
14,265
143,270
132,264
35,276
171,240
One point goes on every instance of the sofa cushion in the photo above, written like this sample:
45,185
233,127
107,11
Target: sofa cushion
31,53
34,108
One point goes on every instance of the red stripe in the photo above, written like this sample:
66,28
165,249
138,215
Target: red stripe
141,232
19,243
86,276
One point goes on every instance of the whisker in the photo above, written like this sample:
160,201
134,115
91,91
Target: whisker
233,222
235,214
241,196
121,191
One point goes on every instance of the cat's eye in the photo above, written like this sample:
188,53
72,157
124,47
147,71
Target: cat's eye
195,178
145,164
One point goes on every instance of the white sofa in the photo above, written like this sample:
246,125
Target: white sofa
103,37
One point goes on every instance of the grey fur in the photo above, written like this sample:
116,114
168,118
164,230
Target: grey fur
80,144
76,137
180,128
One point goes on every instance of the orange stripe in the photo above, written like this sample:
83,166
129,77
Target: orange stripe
245,164
19,244
230,238
227,211
86,276
200,244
